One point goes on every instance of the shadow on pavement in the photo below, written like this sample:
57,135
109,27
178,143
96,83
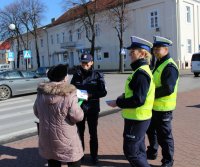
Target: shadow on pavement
195,106
108,160
27,157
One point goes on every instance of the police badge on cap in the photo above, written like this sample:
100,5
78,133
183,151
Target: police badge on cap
86,58
137,42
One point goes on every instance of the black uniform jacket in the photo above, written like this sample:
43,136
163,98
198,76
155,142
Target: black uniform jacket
169,77
93,82
139,84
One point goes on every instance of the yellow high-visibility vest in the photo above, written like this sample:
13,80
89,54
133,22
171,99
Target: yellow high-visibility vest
167,103
143,112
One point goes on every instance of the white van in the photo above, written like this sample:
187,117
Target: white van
4,67
195,64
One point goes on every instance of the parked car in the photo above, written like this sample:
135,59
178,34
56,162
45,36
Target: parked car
42,71
195,64
4,67
15,82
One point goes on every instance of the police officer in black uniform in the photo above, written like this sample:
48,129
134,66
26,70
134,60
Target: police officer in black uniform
166,76
137,102
86,78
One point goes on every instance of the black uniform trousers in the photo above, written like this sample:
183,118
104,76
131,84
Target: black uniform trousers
92,121
160,132
55,163
134,142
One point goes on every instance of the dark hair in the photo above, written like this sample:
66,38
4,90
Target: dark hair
57,73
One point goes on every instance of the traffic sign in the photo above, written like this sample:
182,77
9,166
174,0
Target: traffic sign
11,56
27,54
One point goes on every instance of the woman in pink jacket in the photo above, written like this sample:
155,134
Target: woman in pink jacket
58,111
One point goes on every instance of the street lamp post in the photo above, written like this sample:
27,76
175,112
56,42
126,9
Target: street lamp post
12,27
45,29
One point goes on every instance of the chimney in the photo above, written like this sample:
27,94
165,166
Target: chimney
52,20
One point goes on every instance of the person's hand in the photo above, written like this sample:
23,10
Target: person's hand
121,96
112,103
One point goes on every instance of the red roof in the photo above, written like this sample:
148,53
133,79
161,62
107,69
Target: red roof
5,45
78,11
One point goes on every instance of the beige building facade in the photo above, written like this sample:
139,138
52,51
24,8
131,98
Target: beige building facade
177,20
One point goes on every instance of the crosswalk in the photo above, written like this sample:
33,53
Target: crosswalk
16,118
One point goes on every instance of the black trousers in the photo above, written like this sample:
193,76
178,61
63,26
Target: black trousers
55,163
134,142
92,121
160,133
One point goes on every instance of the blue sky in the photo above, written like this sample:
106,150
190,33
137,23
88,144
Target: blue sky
54,9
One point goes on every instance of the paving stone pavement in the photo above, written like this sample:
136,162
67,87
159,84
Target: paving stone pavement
186,130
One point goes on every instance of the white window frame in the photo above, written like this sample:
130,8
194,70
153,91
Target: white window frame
154,19
188,14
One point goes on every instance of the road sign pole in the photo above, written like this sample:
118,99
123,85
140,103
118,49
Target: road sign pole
26,64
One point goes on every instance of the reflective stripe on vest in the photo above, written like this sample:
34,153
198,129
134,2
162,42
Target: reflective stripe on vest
167,103
143,112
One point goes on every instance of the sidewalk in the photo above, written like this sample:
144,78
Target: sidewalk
186,128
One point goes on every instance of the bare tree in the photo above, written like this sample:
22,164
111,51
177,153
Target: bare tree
117,12
26,15
85,13
10,14
31,15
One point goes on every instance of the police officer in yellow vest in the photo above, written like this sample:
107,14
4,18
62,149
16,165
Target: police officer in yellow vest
137,102
166,76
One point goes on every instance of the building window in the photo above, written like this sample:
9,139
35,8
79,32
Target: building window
189,46
63,37
106,55
88,33
65,57
99,55
58,38
52,39
97,30
154,19
188,13
70,36
79,33
59,58
42,42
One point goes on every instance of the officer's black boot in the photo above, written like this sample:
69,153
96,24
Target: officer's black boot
151,155
167,163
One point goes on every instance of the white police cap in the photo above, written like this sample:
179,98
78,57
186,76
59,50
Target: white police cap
161,41
137,42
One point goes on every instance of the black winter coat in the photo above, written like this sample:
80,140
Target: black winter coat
92,81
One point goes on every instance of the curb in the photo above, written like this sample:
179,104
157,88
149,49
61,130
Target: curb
33,132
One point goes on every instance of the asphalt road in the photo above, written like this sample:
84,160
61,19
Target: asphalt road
16,114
